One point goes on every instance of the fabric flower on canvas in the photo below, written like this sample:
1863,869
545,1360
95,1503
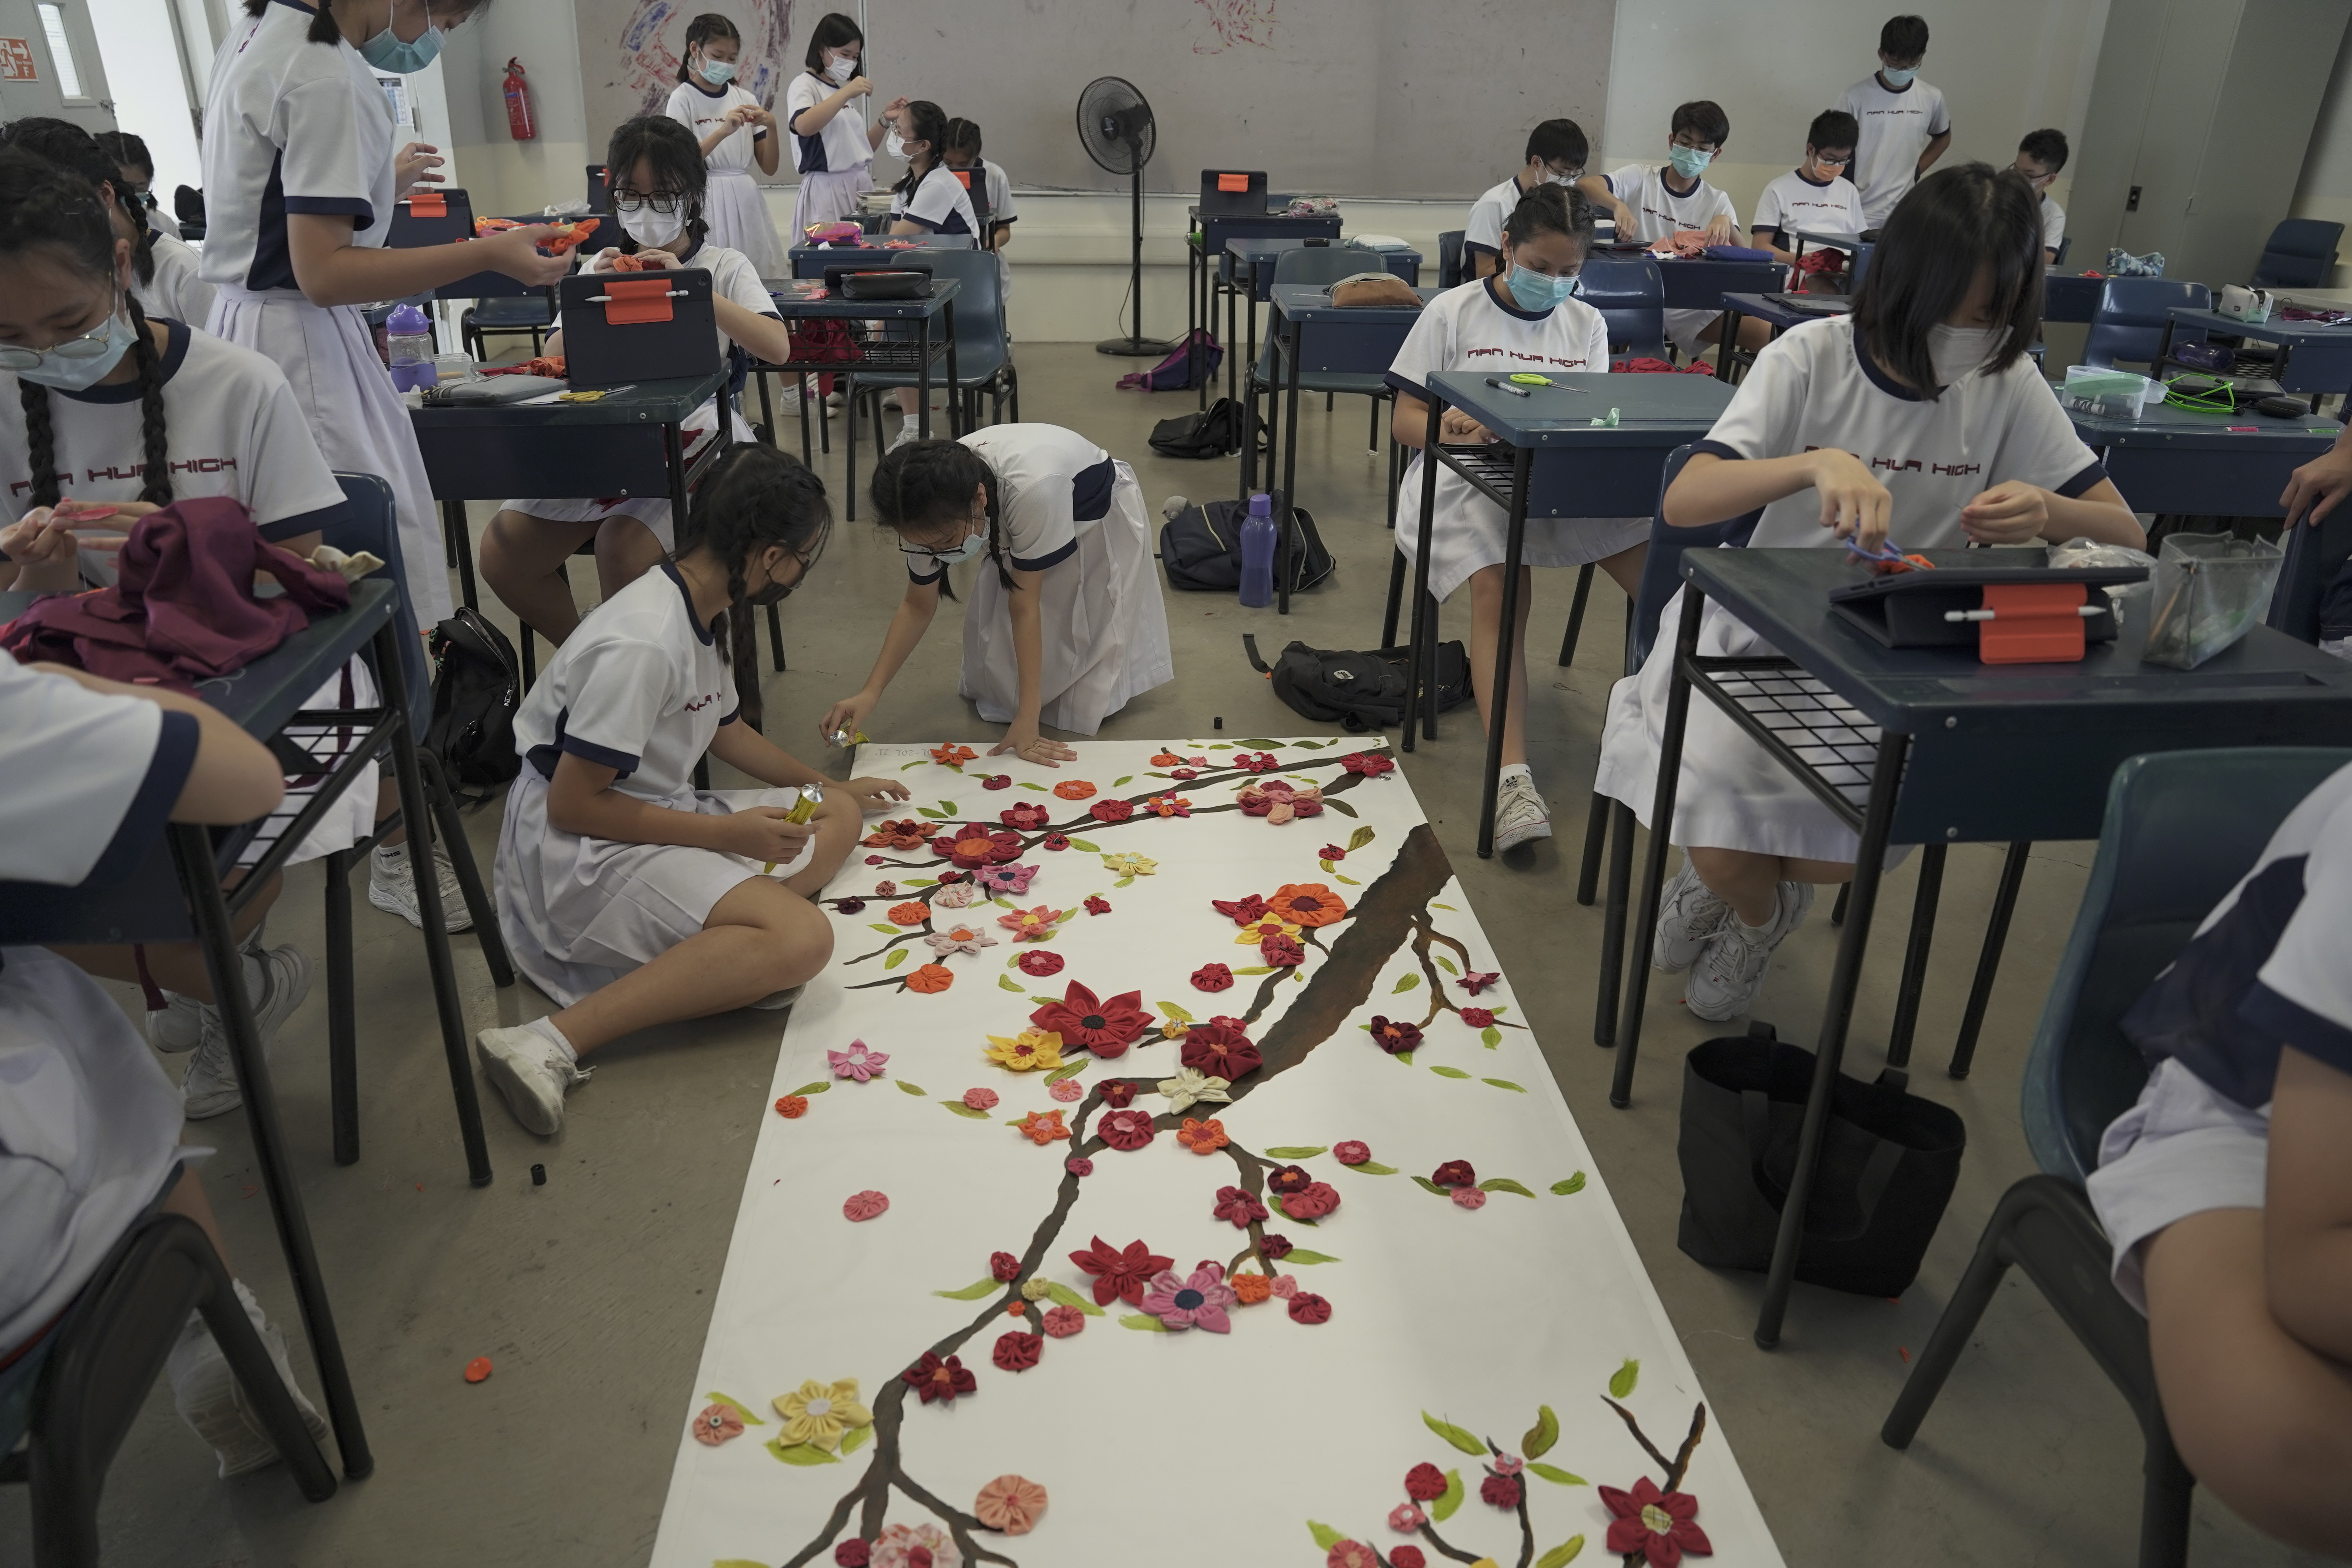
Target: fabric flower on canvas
932,1378
1127,1129
818,1413
1281,951
1079,1166
931,979
1221,1050
1106,1026
1255,933
1110,811
910,913
1238,1208
1068,1089
899,1544
1166,805
1455,1174
864,1205
1212,977
1041,962
1308,1308
1407,1518
1262,762
904,835
1273,1248
1312,1201
1010,1504
1013,879
1407,1557
1057,842
1246,911
1119,1274
1280,801
859,1062
717,1424
1165,759
1017,1352
956,896
1307,904
1073,789
1350,1554
1025,815
886,890
849,906
1662,1526
1003,1268
1191,1087
1476,981
1118,1092
1469,1198
1252,1288
1036,1289
1032,925
1130,865
1289,1179
1061,1323
1351,1151
1042,1127
959,938
792,1106
996,780
1478,1017
1194,1300
1394,1035
975,845
1287,1287
1330,852
1202,1137
1509,1464
1097,904
1182,775
1424,1483
980,1098
1503,1491
952,756
1371,764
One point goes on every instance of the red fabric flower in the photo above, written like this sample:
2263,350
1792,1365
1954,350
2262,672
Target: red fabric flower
1017,1352
1503,1491
1424,1483
1003,1268
1079,1166
1263,762
1221,1050
997,781
1350,1554
1351,1151
904,835
1056,841
854,1552
1212,977
1455,1174
1478,1017
1245,911
1182,773
1331,852
1274,1248
1280,951
1041,962
1308,1308
1098,905
792,1106
1475,982
1025,815
1063,1321
851,905
1118,1093
1110,811
1289,1179
1120,1275
1312,1201
1371,764
1127,1129
946,878
1166,805
1407,1557
1394,1037
1106,1027
1238,1207
1662,1526
932,1378
975,845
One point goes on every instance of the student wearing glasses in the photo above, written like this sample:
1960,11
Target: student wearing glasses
1673,199
657,184
1556,153
1066,625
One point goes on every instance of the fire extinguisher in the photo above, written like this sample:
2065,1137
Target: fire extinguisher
517,92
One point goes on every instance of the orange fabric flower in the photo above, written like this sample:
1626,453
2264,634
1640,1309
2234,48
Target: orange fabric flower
1010,1504
1165,760
1042,1127
1202,1137
952,756
903,835
909,914
1073,789
1168,806
1303,903
792,1106
930,978
1251,1288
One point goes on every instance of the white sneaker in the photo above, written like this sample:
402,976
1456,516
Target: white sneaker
907,436
531,1074
1731,969
215,1404
392,887
209,1087
833,399
177,1025
776,1001
1520,812
1690,915
789,400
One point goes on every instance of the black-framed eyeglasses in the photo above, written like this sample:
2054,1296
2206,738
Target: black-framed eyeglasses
665,205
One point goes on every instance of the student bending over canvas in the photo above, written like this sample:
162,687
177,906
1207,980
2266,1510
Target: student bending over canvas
623,892
1918,416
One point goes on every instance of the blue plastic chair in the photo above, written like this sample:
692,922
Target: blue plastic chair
1630,293
2130,320
2299,254
983,351
2315,557
2181,829
1322,266
1449,256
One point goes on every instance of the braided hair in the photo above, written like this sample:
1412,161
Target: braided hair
675,158
926,486
49,209
754,497
710,25
71,147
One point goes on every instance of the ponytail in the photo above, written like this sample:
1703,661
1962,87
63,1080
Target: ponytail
927,485
701,30
927,122
74,150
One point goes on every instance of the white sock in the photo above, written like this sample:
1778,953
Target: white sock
1516,771
546,1026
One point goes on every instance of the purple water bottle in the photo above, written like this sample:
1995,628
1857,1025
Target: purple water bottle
408,349
1258,552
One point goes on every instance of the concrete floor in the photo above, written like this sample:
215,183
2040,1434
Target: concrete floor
591,1293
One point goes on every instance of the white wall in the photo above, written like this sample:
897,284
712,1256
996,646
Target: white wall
2325,191
150,86
503,175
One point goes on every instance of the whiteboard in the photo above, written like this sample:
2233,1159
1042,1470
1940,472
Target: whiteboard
1346,98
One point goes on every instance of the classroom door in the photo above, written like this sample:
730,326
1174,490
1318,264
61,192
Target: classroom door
49,64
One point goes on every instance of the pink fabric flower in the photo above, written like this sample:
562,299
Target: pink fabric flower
715,1424
1476,981
1238,1207
1406,1518
980,1098
1286,1285
1350,1554
1014,880
1011,1504
962,895
1031,925
1196,1300
1469,1198
1079,1166
1371,764
1025,815
1509,1464
1069,1088
859,1062
876,860
864,1205
1351,1151
886,890
915,1546
1063,1321
1312,1201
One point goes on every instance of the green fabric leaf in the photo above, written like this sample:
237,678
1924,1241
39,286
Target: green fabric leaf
1006,982
949,807
1445,964
917,763
1442,1509
1404,983
854,1438
1061,1295
1429,1186
1372,1168
1068,1070
1124,778
973,1291
1313,745
1324,1536
1142,1321
1542,1435
1174,1012
1343,877
884,930
1447,907
1297,1151
905,1087
1557,1476
1359,838
735,1563
1504,1083
1503,1185
1341,806
1454,1435
927,811
1276,1203
1449,1072
1256,969
799,1453
1084,848
960,1108
1122,882
740,1410
819,1087
1325,864
922,881
1262,745
1041,789
1622,1380
1300,1255
1045,1000
1404,1056
1499,1012
1563,1554
1574,1183
1001,901
1490,1036
897,956
1066,914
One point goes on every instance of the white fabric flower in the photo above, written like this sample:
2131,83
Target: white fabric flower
1191,1086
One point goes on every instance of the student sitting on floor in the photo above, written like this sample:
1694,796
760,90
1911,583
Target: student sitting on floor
1556,153
2227,1189
2038,157
1816,196
1523,318
1675,200
1903,127
90,770
1918,416
623,892
657,182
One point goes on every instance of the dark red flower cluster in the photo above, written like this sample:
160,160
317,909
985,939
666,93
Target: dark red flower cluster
1308,1308
1056,841
1245,911
1371,764
1121,1274
1424,1483
1219,1049
1274,1248
1106,1027
1455,1174
1025,815
974,845
1289,1179
1503,1491
1003,1268
1212,977
932,1378
1017,1352
1110,811
1312,1201
855,1552
1263,762
1281,950
1407,1557
1394,1035
1127,1129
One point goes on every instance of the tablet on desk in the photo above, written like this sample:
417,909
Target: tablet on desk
1908,609
1227,190
1814,304
624,326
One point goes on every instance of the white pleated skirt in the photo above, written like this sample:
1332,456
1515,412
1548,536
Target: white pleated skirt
1467,532
829,198
737,215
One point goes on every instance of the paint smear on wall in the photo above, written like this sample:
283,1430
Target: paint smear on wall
646,61
1222,25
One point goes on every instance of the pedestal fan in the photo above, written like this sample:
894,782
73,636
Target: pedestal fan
1115,126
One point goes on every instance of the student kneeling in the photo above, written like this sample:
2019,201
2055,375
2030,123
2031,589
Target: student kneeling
1960,441
623,892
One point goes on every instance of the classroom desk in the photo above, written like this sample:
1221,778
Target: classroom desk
1700,283
1205,238
1774,310
1914,746
2177,461
2071,296
2311,357
1354,342
811,260
920,355
1558,464
1257,258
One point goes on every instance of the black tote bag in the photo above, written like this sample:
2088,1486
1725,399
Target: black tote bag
1889,1161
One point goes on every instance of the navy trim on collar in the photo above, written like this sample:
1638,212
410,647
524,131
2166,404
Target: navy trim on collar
1493,281
1881,80
1665,172
1817,184
297,6
695,82
175,349
1879,378
684,592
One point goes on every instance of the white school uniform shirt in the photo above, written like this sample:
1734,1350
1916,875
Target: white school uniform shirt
1483,236
1813,388
1895,129
940,203
1051,484
290,126
89,1127
178,290
163,222
2054,225
1796,201
701,108
840,147
1475,327
1659,212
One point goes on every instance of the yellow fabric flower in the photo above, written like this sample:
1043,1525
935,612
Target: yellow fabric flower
818,1413
1036,1289
1029,1049
1259,931
1130,865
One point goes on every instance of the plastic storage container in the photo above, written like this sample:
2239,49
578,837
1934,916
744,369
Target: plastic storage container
2108,393
408,349
2207,590
1258,552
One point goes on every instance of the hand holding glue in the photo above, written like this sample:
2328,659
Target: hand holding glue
812,797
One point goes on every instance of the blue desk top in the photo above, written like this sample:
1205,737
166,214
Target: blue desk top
1311,303
2294,334
1774,308
1829,237
791,301
811,260
645,403
2197,429
1268,248
1654,410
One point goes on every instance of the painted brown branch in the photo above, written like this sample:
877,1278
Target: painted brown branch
1429,1534
1639,1436
1681,1466
1422,931
959,1525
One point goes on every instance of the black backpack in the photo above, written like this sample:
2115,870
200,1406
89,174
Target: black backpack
1201,548
476,688
1360,690
1215,432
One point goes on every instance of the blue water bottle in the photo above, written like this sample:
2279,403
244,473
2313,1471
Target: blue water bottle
1257,553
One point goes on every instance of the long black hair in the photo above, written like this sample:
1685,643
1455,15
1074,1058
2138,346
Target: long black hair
676,160
701,30
925,122
1552,209
962,136
833,31
324,28
927,485
74,150
1946,229
47,208
753,497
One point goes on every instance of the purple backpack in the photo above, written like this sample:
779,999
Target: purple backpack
1195,359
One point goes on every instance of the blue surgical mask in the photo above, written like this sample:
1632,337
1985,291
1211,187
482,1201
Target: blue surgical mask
1688,161
1897,79
387,53
1536,291
718,73
972,549
74,372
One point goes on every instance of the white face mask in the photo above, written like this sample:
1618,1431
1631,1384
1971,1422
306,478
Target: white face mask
894,144
650,230
841,68
1957,351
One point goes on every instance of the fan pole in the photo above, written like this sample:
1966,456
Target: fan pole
1135,346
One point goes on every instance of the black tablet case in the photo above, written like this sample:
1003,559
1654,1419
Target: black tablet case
598,353
1907,609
